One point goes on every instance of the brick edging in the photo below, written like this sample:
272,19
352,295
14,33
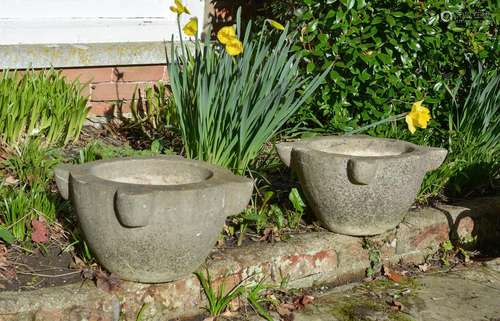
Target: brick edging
306,260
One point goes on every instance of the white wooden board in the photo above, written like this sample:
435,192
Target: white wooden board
90,21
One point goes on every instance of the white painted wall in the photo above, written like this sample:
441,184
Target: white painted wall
90,21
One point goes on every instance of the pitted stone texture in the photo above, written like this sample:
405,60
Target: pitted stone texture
305,260
359,185
152,219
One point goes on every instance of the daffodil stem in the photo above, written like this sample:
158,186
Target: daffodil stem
180,36
383,121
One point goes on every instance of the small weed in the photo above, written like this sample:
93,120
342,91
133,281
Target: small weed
140,314
259,214
298,205
373,257
218,300
255,299
452,253
98,150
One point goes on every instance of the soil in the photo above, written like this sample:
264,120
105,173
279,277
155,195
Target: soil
38,269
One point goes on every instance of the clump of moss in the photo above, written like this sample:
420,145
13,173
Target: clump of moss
371,298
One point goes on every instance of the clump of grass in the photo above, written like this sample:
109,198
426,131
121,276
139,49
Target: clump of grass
40,104
30,196
32,164
218,299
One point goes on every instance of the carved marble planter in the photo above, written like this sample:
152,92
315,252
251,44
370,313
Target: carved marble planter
152,219
360,185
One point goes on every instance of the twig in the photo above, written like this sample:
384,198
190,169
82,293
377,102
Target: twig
47,275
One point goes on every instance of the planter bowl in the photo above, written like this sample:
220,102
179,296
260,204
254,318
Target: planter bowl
152,219
360,185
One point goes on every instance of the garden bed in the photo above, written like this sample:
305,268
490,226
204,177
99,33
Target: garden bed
304,260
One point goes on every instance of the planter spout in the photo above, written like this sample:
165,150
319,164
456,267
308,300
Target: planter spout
436,157
61,173
237,196
285,152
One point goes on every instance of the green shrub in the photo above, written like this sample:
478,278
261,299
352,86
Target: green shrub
387,54
229,107
474,138
40,104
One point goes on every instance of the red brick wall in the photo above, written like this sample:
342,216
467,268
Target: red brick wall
110,87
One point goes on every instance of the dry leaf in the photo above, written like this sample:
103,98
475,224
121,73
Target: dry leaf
77,263
7,271
396,305
107,283
39,233
301,301
391,275
3,256
424,267
285,309
11,180
229,314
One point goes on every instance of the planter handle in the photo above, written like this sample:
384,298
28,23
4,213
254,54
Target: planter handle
134,209
61,173
361,171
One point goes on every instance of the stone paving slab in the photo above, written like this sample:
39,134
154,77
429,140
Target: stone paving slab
305,260
470,294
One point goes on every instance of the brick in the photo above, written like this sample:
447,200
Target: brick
44,315
351,254
116,90
139,73
108,108
88,75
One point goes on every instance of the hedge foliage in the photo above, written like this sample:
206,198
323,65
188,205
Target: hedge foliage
387,54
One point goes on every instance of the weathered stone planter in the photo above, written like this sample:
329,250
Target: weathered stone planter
359,185
152,219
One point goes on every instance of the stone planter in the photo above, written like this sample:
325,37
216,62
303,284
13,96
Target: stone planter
152,219
360,185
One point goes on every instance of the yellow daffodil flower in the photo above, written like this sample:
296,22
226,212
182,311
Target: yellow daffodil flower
419,116
191,28
276,24
179,8
234,47
226,34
